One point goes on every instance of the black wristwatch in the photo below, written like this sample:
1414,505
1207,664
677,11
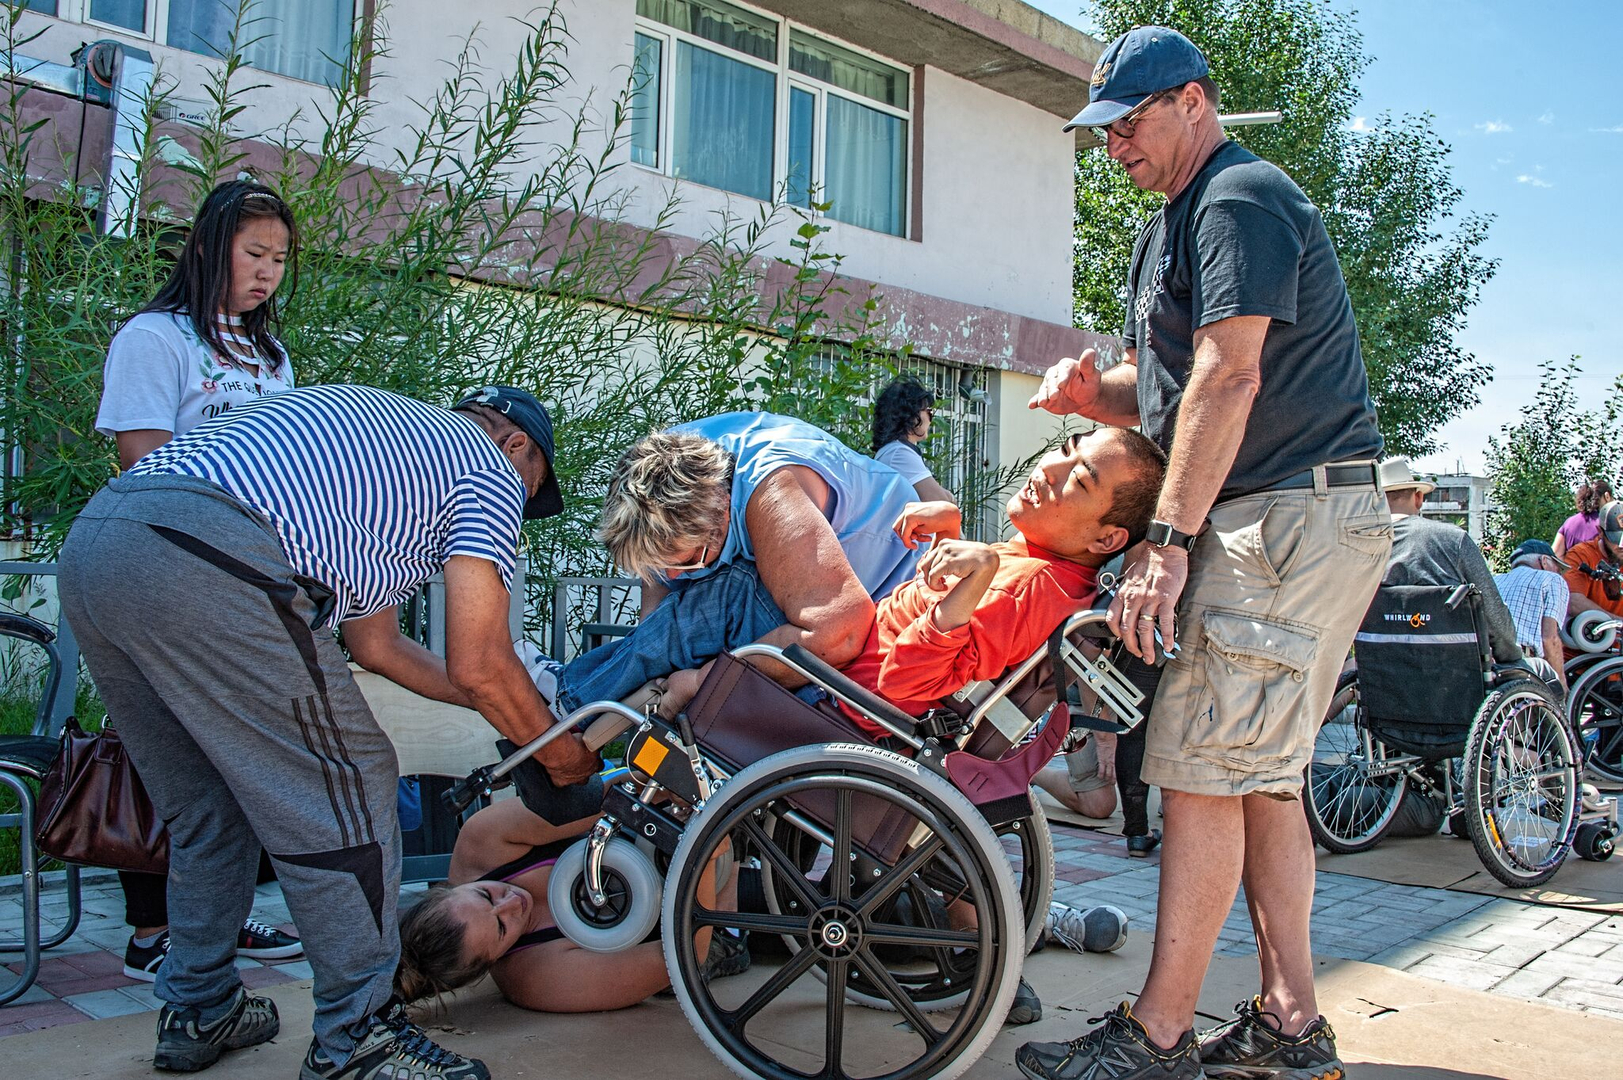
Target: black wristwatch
1162,534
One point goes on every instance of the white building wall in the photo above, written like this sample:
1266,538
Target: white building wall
996,185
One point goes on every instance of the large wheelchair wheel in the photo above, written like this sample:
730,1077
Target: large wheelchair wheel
1521,784
1351,791
783,1022
1595,710
934,979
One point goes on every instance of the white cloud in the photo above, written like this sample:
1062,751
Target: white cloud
1547,117
1361,125
1494,127
1616,129
1504,160
1533,181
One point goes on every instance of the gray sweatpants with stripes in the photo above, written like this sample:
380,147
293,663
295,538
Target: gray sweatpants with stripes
247,728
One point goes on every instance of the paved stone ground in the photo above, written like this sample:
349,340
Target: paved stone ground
1560,956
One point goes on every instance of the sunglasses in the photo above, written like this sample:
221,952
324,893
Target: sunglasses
1128,124
704,557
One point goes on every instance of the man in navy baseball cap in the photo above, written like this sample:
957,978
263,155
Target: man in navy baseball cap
1136,66
521,408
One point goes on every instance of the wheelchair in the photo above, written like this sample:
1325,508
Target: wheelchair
908,876
1426,709
1595,690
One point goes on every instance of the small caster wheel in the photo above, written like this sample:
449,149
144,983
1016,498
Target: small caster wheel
634,891
1593,842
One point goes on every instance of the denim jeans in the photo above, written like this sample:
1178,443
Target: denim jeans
695,623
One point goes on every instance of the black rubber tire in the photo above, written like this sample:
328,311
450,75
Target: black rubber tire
1595,711
1593,842
1332,789
954,834
1519,726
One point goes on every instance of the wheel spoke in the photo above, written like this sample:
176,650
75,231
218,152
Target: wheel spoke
839,873
791,874
768,991
897,875
905,1005
758,923
834,1019
892,934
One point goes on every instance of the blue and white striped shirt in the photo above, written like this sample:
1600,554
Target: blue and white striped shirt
369,492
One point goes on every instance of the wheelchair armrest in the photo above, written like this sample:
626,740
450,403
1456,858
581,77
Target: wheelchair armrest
832,678
22,626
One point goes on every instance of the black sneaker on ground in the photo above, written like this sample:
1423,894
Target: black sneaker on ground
729,955
393,1047
142,961
185,1044
1027,1007
260,942
1249,1047
1139,847
1119,1049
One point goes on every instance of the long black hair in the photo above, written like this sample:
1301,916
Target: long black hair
201,280
896,410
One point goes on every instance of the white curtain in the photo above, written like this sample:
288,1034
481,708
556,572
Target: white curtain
722,122
865,166
305,39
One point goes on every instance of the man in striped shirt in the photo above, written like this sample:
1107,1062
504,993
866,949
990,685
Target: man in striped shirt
204,585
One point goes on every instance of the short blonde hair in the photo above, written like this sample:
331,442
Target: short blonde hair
668,492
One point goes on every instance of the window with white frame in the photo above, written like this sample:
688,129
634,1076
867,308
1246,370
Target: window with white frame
747,102
303,39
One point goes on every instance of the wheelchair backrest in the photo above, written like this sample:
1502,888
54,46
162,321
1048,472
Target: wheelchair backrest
1419,661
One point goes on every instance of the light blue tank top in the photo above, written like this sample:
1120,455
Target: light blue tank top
868,496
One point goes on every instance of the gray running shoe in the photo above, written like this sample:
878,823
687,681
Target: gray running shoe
1119,1049
186,1044
1027,1007
393,1048
1096,929
1249,1047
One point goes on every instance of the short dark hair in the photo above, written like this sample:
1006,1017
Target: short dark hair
1132,505
1209,88
897,409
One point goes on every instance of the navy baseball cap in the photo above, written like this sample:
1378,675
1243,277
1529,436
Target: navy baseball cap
521,407
1535,547
1143,61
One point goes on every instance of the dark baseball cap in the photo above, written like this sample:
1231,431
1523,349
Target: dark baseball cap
521,407
1536,547
1143,61
1611,521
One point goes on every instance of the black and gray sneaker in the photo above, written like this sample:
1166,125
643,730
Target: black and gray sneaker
729,955
1027,1007
143,961
186,1044
393,1047
1250,1047
1119,1049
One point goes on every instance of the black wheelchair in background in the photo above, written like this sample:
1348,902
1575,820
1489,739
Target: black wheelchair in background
1426,708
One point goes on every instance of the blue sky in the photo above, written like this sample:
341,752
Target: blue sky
1520,92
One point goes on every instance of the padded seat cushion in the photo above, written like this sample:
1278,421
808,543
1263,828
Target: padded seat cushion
29,755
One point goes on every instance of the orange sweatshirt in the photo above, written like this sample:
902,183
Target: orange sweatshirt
912,664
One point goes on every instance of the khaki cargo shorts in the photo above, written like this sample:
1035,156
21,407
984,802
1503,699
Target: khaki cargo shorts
1277,587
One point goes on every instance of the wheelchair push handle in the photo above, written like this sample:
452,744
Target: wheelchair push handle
1461,593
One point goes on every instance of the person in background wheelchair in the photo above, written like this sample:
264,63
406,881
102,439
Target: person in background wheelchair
1537,597
1426,552
1592,566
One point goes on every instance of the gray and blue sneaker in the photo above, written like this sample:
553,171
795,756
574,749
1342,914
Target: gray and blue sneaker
187,1044
1251,1047
393,1048
1101,928
1117,1049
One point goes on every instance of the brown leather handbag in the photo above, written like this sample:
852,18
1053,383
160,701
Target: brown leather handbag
93,808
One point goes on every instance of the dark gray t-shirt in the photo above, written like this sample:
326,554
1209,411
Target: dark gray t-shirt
1242,239
1426,552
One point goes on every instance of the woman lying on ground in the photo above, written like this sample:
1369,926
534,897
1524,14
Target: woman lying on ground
493,917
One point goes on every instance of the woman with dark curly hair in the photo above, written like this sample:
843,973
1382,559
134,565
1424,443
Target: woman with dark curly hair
1583,526
901,420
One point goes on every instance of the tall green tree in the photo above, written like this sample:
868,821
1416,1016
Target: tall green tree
1536,463
1412,261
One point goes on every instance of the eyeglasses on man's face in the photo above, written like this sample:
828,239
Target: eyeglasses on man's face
1128,125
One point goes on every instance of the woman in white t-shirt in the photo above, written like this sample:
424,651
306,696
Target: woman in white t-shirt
201,348
901,420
